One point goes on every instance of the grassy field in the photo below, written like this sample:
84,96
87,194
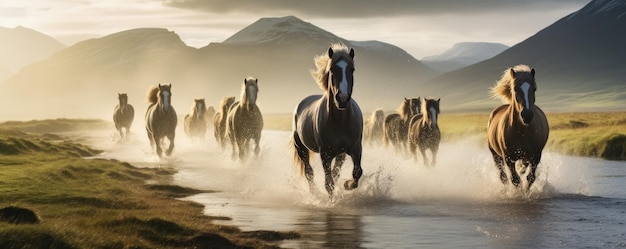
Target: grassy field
97,203
600,135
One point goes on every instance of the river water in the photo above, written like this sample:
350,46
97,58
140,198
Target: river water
400,203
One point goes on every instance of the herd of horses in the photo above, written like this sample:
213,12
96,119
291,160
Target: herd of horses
331,123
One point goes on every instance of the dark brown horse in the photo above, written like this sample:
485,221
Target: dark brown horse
195,123
244,121
123,116
161,118
330,124
373,127
396,125
424,131
219,120
517,130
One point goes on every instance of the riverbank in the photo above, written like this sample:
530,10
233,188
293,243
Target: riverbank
53,196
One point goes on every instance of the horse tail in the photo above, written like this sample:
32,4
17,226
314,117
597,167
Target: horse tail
151,96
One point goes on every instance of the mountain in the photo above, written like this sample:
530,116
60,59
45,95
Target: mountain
463,54
83,80
579,62
22,46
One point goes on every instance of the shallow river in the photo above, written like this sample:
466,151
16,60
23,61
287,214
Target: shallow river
575,203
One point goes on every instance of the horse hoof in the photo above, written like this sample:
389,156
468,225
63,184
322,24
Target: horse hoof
350,185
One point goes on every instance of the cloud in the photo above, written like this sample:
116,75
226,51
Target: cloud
371,8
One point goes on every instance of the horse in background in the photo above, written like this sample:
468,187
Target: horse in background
396,125
161,118
195,123
208,117
244,121
517,130
424,131
219,120
373,127
330,124
123,116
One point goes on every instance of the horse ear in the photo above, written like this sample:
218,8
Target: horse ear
512,72
170,85
330,52
532,71
438,100
352,53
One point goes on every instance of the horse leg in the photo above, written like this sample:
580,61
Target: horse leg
339,159
327,160
423,152
303,154
257,148
244,144
356,171
413,150
171,145
434,151
515,179
534,162
157,142
500,164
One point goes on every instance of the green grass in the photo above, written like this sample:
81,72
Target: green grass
97,203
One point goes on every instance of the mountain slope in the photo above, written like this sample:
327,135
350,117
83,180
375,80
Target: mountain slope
463,54
579,60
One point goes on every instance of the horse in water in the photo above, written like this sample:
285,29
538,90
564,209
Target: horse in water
161,118
330,124
244,121
424,131
219,120
396,125
517,130
373,127
123,116
195,123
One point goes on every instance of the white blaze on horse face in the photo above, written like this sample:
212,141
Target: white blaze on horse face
525,86
166,99
433,115
343,85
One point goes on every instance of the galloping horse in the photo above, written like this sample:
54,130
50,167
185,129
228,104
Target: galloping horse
123,115
373,127
396,125
161,118
195,123
517,130
244,120
219,120
330,124
424,131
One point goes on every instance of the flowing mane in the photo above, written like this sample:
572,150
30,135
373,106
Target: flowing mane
225,103
503,88
427,103
151,96
323,62
405,109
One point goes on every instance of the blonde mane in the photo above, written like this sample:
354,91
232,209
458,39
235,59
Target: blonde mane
503,88
323,62
244,98
226,103
151,96
404,109
424,108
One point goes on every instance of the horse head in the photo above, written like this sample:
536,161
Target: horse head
524,87
165,96
416,106
199,107
340,77
249,91
430,109
123,98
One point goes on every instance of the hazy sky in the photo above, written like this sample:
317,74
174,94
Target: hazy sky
421,27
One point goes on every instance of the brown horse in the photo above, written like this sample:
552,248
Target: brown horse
219,120
244,121
424,131
195,123
373,127
123,116
330,124
161,118
396,125
517,130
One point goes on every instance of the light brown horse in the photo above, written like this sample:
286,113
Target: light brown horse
123,116
424,131
517,130
244,121
195,123
373,127
396,125
219,120
161,118
330,124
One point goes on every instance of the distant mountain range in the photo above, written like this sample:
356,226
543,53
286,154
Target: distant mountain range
463,54
22,46
580,62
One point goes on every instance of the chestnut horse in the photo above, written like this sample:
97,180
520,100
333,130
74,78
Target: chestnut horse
517,130
244,121
195,123
161,118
